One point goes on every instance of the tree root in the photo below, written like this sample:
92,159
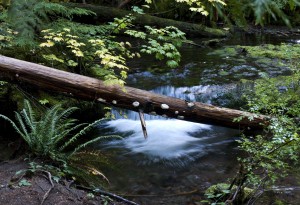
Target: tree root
49,190
108,194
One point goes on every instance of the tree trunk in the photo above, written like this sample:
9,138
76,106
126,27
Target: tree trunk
88,88
109,13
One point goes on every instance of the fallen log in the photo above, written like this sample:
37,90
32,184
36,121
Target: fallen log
109,13
138,100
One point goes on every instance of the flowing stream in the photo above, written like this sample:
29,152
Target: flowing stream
179,159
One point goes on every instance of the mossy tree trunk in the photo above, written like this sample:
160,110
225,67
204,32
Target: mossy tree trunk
109,13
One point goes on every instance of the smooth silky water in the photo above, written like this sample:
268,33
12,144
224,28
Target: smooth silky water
179,159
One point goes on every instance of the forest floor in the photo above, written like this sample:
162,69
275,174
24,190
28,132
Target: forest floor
38,188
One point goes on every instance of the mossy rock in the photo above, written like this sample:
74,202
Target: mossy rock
217,188
283,51
225,52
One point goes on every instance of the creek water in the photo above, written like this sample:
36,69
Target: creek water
179,159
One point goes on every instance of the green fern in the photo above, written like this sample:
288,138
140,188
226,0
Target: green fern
50,135
31,16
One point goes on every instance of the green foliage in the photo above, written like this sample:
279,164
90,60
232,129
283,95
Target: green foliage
242,11
24,182
263,11
216,194
162,43
56,137
238,12
30,16
270,155
52,134
7,35
102,56
84,49
198,6
4,4
92,50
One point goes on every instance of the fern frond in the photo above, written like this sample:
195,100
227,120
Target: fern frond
80,29
30,111
48,122
23,129
67,112
66,124
16,128
81,132
62,135
92,158
28,120
30,16
93,141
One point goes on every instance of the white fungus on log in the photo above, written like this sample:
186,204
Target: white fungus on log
176,112
135,104
114,102
164,106
101,100
190,104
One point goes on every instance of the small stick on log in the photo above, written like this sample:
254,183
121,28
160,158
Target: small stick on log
143,123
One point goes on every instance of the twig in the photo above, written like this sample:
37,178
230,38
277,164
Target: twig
52,186
108,194
143,123
258,191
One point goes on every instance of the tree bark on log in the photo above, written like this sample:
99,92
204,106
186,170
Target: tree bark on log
87,88
109,13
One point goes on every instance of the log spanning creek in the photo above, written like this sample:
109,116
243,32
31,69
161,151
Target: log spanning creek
180,159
